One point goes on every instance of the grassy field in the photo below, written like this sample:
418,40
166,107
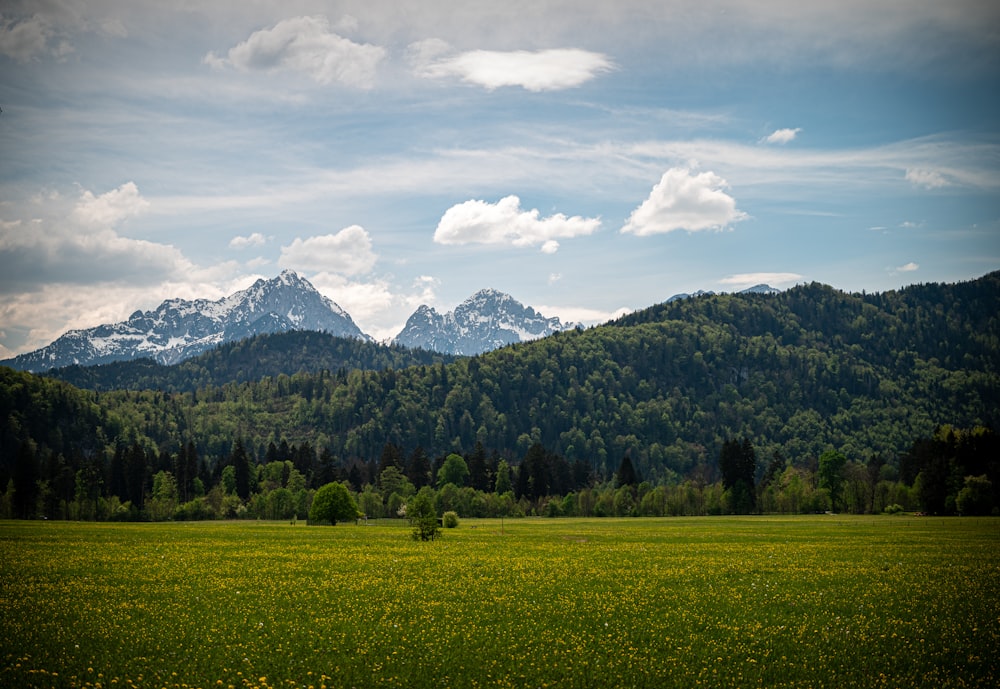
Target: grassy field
754,601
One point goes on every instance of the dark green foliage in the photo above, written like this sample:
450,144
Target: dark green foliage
799,372
831,467
626,475
333,503
976,497
941,465
263,356
241,464
796,374
738,465
454,470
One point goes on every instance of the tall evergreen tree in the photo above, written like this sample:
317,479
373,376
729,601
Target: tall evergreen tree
241,465
419,469
626,474
738,465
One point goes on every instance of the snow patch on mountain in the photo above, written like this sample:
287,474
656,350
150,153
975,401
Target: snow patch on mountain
487,320
179,329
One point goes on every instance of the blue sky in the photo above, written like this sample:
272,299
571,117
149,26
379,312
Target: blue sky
586,157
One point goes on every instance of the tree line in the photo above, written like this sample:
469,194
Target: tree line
955,471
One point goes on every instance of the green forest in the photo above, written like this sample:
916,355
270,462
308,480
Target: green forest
809,400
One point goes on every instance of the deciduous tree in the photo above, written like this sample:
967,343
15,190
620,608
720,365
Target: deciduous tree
332,503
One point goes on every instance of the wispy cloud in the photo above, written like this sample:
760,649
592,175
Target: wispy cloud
908,267
504,222
682,200
306,45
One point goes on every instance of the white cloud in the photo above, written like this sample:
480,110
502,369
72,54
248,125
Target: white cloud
255,239
744,280
542,70
781,136
349,252
505,223
64,242
307,45
375,305
110,208
929,179
682,200
908,267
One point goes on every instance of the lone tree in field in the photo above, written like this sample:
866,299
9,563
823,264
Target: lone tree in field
423,517
333,502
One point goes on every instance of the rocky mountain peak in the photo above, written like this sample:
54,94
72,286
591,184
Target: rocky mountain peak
485,321
179,329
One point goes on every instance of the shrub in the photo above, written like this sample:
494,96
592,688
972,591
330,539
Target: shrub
450,519
893,509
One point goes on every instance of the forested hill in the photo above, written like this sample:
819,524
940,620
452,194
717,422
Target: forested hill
798,373
258,357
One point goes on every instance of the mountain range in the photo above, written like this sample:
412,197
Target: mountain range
179,329
797,373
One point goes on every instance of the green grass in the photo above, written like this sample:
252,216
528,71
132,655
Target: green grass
795,601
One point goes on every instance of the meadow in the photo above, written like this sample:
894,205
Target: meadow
818,601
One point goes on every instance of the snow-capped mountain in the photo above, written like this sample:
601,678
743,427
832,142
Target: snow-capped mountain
179,329
761,289
485,321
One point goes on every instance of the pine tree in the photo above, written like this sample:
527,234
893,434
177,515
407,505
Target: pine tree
626,474
241,464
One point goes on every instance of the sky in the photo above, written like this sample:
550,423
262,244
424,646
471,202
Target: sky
588,158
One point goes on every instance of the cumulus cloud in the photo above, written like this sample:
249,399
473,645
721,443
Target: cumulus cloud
908,267
65,265
66,242
348,252
255,239
781,136
744,280
928,179
682,200
307,45
378,307
541,70
110,208
504,222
